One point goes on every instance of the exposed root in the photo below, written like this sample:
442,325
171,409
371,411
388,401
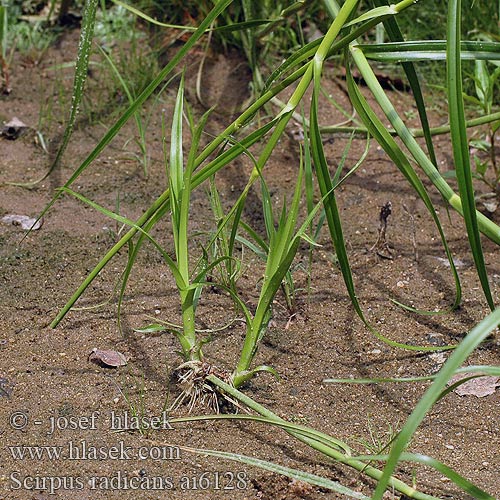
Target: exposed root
198,392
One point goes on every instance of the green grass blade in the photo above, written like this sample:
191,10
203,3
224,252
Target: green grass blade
176,184
487,227
448,472
379,131
364,155
335,225
303,430
306,52
187,339
461,353
137,115
279,469
478,370
145,94
158,208
430,50
264,247
392,28
149,19
81,71
176,166
461,145
254,248
330,203
267,210
460,481
233,27
282,250
286,225
334,222
123,220
376,13
146,227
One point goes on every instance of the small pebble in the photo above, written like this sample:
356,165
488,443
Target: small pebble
436,338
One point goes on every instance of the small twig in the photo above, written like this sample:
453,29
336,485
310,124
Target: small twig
381,247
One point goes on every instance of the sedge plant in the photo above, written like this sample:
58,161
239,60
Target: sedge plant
341,452
306,66
284,240
301,72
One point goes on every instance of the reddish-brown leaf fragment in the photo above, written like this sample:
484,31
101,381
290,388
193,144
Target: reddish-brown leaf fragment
479,386
107,358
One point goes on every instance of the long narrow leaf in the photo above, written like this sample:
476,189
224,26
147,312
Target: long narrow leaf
392,29
461,353
129,112
377,129
430,50
487,227
461,145
81,72
280,469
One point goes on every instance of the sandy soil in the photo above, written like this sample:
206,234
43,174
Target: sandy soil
48,381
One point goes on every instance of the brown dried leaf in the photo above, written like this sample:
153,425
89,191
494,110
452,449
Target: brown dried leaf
107,358
479,387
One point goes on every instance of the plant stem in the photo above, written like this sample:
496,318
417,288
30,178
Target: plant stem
188,336
416,132
487,227
259,322
321,447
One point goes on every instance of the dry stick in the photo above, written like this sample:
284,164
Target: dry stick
381,243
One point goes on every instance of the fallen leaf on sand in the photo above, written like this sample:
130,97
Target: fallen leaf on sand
23,220
110,359
479,386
